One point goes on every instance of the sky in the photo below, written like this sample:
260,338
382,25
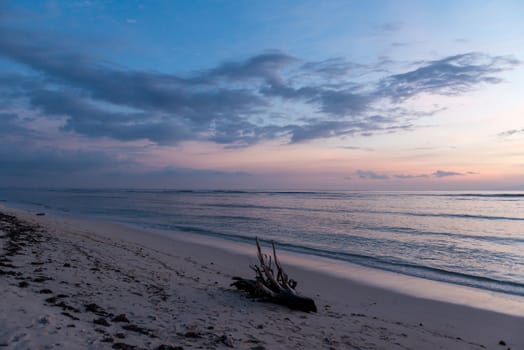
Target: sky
305,95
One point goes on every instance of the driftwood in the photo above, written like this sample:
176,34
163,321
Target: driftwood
276,288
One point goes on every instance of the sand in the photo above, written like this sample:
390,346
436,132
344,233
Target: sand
77,284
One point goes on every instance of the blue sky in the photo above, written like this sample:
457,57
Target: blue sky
275,94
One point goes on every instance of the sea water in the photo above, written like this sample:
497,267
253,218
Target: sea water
468,238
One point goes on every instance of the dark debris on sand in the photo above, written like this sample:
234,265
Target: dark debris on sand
23,239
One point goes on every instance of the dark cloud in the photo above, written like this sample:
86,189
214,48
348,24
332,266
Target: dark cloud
357,148
189,172
452,75
443,173
321,129
314,129
331,68
23,165
370,175
343,102
265,66
400,44
230,104
511,132
31,162
155,94
11,127
388,27
405,176
87,119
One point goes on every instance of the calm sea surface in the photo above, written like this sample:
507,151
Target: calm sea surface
469,238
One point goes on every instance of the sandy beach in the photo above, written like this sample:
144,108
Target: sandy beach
76,284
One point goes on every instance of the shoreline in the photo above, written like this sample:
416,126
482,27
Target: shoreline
391,281
461,259
392,318
344,271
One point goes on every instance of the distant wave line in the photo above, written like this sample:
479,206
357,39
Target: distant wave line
458,216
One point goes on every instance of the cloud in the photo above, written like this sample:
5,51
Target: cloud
511,132
314,129
170,109
451,75
87,119
357,148
231,104
321,129
11,127
31,162
388,27
400,44
370,175
444,173
343,102
265,66
190,172
27,164
331,68
406,176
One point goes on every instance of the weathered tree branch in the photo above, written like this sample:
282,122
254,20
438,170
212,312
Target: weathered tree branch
273,287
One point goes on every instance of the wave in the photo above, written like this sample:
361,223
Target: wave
29,204
202,191
319,194
210,191
195,212
500,195
474,195
380,262
448,215
415,232
460,216
231,217
456,277
516,194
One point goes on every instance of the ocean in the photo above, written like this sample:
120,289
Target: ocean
474,239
